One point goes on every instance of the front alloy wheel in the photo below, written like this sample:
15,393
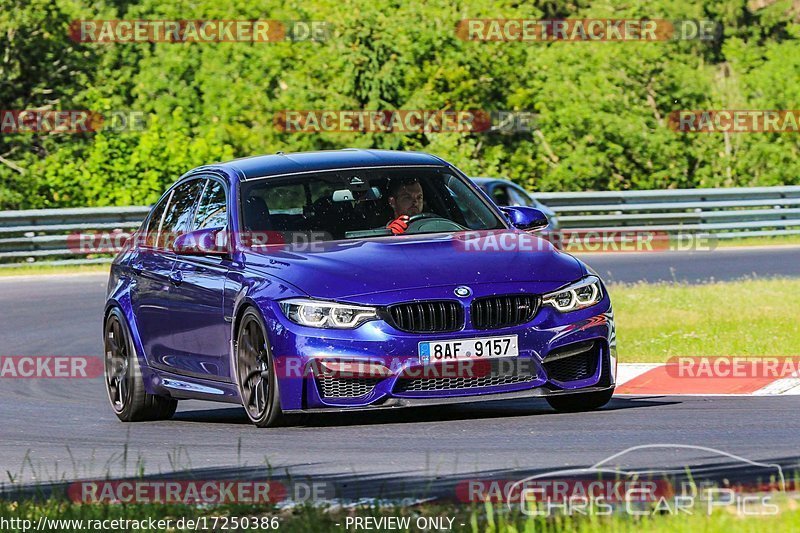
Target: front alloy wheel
255,371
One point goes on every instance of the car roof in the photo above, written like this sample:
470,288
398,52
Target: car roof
298,162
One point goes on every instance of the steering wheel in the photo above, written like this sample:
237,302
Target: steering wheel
422,216
431,222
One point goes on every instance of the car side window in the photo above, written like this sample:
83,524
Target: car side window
154,222
180,212
500,195
475,214
517,198
212,212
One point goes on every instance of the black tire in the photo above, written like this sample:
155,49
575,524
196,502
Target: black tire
123,377
255,373
584,401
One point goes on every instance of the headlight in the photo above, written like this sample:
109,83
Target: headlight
318,314
583,293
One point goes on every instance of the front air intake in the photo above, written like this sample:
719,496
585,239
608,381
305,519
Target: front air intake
573,362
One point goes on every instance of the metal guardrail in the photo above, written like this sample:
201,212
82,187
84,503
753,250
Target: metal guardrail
45,234
721,213
32,235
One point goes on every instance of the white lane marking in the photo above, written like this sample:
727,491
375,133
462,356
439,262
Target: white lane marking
52,277
782,386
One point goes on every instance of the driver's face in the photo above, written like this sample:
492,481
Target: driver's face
407,200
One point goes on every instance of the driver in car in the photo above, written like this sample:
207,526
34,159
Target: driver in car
405,198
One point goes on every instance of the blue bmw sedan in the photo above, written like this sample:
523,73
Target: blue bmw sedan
348,280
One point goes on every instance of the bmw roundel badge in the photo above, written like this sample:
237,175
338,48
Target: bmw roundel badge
463,291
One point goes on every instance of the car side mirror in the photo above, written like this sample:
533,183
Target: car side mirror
210,241
525,218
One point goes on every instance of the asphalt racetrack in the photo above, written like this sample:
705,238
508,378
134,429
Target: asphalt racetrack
55,430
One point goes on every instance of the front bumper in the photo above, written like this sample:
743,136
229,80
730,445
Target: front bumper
399,403
545,365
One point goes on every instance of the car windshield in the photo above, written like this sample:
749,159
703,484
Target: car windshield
359,203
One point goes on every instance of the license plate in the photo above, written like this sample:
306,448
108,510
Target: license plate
483,348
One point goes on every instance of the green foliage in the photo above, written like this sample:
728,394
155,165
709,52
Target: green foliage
602,107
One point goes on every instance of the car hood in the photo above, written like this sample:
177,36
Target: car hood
344,269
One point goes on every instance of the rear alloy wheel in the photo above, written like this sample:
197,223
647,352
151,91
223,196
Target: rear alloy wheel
255,372
583,401
124,380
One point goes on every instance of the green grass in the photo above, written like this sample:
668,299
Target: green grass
474,518
45,269
781,240
722,521
703,244
747,317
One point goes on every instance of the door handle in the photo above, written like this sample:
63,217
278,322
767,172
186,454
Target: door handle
176,277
